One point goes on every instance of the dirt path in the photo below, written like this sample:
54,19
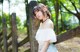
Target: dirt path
71,45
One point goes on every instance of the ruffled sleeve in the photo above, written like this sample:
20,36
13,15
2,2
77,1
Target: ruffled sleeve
46,35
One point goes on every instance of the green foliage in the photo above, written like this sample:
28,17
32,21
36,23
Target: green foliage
8,21
67,18
69,21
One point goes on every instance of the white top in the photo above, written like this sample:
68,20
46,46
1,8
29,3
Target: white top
45,33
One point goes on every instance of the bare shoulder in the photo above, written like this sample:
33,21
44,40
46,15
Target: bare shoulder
50,21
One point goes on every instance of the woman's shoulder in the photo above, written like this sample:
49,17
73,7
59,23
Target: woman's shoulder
49,21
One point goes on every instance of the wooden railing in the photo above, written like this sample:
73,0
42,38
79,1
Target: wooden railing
4,38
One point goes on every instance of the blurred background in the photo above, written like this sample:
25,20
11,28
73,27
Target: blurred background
65,15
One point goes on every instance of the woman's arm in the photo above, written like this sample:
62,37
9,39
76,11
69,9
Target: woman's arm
46,45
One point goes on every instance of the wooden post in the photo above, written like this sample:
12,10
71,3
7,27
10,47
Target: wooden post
4,29
5,34
1,41
0,38
14,33
32,27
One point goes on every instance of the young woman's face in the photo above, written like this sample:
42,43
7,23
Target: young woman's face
39,15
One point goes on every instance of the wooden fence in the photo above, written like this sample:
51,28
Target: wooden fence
4,44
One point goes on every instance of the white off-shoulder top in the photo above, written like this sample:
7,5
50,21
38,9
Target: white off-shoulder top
45,33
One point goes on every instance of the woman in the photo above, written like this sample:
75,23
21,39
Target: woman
45,34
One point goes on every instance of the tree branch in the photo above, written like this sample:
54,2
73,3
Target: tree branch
67,9
74,6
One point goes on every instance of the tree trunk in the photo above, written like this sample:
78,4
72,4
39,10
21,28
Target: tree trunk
62,24
32,25
57,14
78,16
69,34
0,49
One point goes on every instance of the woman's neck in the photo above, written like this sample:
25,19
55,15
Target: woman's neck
44,19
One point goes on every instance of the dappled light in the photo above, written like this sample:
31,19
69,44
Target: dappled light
18,25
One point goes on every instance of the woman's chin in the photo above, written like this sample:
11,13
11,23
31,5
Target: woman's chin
39,19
